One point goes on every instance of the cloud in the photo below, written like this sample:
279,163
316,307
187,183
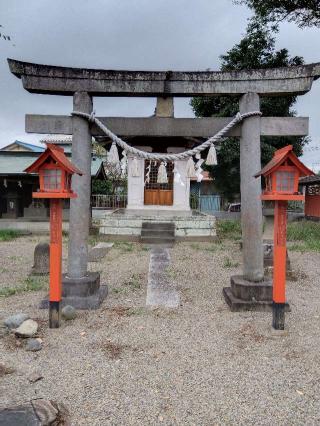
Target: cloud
126,34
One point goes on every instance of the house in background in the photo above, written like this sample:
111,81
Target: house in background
311,186
18,146
204,195
16,186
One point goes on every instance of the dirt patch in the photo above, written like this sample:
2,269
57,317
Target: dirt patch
112,350
4,370
247,330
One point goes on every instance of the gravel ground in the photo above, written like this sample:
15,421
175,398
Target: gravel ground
197,365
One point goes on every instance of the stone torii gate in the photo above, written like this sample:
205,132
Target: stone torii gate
81,288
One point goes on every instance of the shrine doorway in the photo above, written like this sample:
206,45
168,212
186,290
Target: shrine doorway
158,194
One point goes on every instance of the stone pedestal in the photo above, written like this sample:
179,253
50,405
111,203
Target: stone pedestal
244,295
83,293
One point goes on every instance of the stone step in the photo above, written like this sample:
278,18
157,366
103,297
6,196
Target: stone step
157,232
158,225
157,240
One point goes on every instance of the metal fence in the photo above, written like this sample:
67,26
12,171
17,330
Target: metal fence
102,201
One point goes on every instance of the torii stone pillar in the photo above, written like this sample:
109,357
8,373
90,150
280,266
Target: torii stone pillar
81,288
251,208
250,291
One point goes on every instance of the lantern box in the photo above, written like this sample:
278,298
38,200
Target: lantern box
55,173
282,175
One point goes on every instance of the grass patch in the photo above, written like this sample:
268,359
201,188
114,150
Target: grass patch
134,282
305,235
8,234
229,229
29,284
210,248
229,264
124,246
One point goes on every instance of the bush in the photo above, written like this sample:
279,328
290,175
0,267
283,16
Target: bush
306,235
8,234
229,229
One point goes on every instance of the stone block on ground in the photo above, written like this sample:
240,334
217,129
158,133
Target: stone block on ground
68,312
27,329
244,295
37,412
41,259
33,345
99,251
14,321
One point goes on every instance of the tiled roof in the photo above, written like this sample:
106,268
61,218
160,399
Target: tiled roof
309,179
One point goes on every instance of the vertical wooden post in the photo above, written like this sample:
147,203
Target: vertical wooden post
279,264
55,262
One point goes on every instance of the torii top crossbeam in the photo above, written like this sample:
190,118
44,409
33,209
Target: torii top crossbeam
59,80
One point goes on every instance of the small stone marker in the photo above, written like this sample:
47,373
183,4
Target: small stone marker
27,329
68,312
41,259
99,251
14,321
161,292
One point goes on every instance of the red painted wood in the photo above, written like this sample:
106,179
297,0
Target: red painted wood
280,252
55,250
312,205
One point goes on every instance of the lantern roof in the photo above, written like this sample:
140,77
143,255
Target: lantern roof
57,154
279,157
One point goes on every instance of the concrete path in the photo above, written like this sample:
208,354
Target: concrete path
160,291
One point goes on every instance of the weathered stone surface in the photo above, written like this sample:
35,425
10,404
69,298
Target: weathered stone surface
68,312
83,293
45,411
80,206
41,259
27,329
66,81
251,209
244,295
33,345
22,415
160,291
166,127
14,321
37,412
99,251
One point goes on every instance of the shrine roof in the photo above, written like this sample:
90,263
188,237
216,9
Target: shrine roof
58,155
279,157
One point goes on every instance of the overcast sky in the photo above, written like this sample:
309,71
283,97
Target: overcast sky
130,34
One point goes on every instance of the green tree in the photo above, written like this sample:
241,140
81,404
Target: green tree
255,50
306,13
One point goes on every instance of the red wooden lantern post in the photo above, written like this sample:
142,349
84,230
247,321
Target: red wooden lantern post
55,173
281,178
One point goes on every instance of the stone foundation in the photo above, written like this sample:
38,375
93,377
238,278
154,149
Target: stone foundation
188,227
81,293
244,295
